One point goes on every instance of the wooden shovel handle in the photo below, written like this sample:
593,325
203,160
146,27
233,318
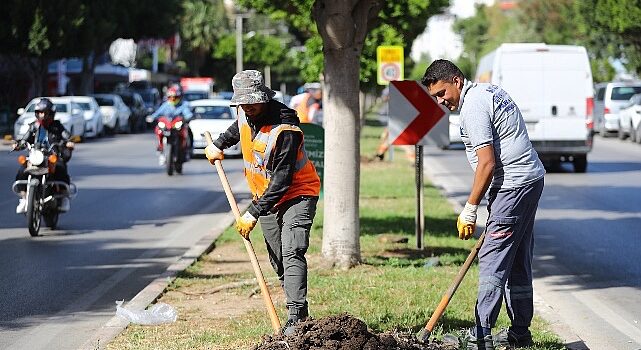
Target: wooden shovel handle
445,300
248,245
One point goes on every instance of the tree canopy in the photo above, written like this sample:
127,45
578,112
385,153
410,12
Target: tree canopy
397,23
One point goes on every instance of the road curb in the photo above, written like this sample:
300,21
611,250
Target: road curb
541,308
156,288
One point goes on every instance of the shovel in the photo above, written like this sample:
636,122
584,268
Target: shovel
248,245
426,332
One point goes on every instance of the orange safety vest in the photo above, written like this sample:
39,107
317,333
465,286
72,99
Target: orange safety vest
257,154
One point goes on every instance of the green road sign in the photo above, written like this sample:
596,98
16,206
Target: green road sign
315,146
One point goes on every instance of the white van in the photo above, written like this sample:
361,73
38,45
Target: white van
552,85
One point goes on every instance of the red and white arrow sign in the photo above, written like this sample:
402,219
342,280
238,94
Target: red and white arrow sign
413,113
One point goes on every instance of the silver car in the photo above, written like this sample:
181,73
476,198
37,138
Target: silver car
115,113
610,98
92,115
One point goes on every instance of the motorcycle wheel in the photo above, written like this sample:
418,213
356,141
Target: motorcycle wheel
51,219
170,160
33,208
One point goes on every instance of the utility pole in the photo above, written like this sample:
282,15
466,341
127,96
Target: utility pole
239,43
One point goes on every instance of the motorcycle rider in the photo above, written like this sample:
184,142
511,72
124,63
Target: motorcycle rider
46,129
173,107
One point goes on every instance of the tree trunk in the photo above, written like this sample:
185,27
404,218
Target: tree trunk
343,26
39,67
341,230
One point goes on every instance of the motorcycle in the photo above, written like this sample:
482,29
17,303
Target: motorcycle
42,193
174,143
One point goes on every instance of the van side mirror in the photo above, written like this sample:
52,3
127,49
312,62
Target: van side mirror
20,111
75,111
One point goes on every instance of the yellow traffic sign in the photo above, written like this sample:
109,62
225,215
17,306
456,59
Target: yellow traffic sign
389,62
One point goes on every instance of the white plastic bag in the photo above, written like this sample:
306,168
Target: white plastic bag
157,314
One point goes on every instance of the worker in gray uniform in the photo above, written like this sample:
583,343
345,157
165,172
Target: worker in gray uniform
499,150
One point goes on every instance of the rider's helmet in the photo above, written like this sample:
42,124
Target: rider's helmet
174,94
45,111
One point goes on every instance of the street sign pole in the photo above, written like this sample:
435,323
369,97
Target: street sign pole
416,119
420,216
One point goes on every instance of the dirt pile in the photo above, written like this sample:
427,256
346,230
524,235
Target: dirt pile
342,332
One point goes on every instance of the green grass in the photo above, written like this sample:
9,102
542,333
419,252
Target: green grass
391,290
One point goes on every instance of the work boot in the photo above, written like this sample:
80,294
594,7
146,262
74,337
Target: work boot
295,316
466,339
64,205
22,206
508,338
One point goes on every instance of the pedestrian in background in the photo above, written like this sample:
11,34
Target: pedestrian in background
282,180
500,152
309,104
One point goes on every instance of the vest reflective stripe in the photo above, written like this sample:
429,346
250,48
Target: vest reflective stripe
257,153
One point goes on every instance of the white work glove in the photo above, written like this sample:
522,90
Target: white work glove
466,222
213,153
246,224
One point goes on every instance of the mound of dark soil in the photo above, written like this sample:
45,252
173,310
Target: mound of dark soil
342,332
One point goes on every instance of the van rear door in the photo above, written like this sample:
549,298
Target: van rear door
519,73
567,88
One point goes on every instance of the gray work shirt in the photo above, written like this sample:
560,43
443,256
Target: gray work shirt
489,116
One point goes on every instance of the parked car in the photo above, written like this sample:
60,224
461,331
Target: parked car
92,115
68,113
150,95
115,114
630,119
215,116
136,105
610,97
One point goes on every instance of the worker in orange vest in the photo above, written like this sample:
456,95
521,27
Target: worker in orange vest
282,180
309,104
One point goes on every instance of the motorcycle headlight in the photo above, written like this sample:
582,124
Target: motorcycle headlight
179,124
161,125
36,157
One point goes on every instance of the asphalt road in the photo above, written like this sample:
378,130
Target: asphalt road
588,239
129,222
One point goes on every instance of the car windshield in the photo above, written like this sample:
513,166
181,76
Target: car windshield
623,93
85,106
104,101
60,107
212,112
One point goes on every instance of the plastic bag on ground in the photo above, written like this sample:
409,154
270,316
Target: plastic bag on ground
157,314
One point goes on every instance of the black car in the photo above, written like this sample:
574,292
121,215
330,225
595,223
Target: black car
139,111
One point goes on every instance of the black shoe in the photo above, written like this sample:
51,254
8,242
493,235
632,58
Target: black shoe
290,326
295,316
379,156
465,339
507,337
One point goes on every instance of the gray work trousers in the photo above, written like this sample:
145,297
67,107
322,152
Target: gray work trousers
287,238
505,258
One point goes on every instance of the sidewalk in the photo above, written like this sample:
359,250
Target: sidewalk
450,171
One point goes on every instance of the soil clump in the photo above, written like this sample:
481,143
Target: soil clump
342,332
